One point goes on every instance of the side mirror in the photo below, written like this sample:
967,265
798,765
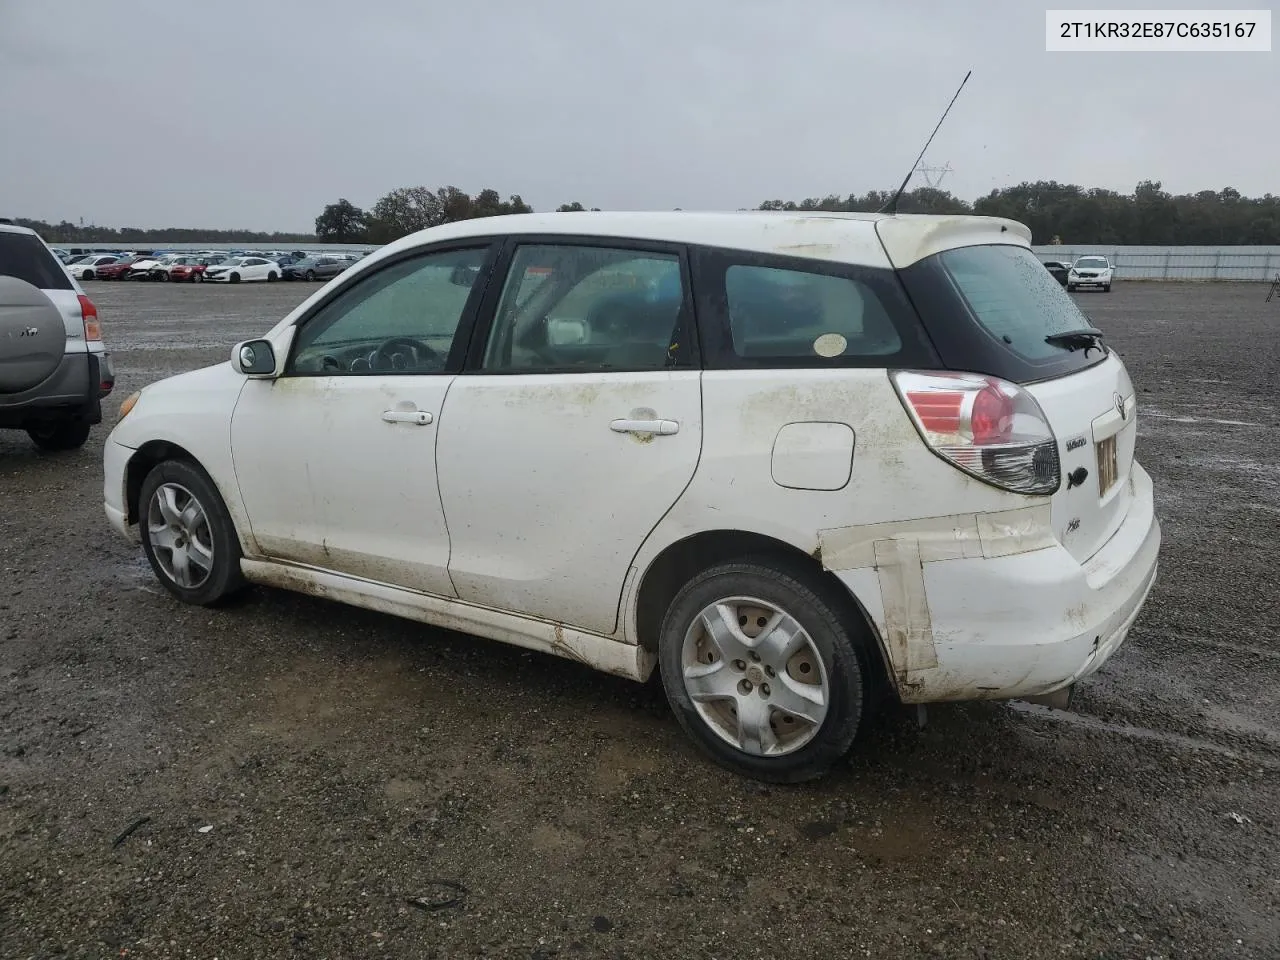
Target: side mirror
254,358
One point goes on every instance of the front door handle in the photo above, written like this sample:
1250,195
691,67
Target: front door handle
663,428
419,418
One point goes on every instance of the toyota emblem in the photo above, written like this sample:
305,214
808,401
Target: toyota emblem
1120,405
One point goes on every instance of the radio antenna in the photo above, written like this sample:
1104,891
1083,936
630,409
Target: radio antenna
892,206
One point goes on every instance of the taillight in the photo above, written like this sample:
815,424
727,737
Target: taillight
988,427
89,314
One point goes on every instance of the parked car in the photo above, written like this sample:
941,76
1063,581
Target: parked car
316,268
86,268
54,370
1059,270
706,376
1091,271
118,270
154,267
238,269
190,269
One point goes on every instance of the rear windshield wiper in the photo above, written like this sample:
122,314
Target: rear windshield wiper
1085,337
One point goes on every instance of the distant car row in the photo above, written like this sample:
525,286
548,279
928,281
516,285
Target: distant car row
208,266
1090,271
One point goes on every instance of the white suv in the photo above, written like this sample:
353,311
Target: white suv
792,461
1091,271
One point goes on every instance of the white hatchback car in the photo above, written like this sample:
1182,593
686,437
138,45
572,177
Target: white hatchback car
793,461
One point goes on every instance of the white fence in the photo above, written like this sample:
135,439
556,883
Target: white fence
1260,264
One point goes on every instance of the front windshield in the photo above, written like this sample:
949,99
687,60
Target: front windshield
1091,263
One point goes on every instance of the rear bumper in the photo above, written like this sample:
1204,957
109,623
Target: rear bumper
1028,623
74,389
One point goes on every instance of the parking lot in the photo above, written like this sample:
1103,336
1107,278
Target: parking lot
310,780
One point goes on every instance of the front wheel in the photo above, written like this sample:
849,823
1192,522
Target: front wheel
1071,288
765,669
87,275
311,275
234,278
188,535
59,434
1107,288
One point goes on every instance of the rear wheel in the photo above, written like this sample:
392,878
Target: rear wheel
197,277
765,669
188,535
66,434
272,277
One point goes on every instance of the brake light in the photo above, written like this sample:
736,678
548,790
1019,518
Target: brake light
987,427
89,316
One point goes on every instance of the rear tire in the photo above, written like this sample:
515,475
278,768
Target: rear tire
272,277
785,703
187,534
64,434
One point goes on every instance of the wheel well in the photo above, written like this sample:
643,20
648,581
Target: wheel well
684,559
147,457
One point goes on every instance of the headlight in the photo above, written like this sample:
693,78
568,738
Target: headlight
129,403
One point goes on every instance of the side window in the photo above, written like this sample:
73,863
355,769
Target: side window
589,308
785,314
400,319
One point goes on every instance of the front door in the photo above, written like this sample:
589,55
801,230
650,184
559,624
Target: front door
577,429
336,458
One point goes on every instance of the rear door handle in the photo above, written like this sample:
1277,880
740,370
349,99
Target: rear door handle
663,428
419,418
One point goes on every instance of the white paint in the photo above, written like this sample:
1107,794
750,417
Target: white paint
813,456
248,269
546,503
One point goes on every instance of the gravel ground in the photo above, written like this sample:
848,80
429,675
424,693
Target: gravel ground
310,779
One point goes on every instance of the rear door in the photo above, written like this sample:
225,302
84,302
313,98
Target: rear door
990,309
575,429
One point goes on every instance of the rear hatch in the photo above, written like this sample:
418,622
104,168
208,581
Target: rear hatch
992,308
25,258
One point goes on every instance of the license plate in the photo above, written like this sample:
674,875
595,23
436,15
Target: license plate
1107,468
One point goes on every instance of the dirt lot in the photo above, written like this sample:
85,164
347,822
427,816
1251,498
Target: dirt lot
307,769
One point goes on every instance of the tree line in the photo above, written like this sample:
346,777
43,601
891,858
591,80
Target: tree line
1070,214
1055,212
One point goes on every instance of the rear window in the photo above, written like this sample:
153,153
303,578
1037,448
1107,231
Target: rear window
25,257
989,308
763,310
791,313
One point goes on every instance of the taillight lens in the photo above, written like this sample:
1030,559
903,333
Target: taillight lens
89,314
989,428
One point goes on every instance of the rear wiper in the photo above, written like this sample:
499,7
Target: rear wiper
1085,337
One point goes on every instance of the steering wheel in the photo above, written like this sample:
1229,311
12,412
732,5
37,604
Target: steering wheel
384,359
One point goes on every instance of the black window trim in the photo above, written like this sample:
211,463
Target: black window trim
687,325
490,243
710,267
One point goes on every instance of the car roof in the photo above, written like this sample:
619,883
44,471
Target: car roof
14,228
856,238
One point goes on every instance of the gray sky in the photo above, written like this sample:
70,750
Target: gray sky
240,114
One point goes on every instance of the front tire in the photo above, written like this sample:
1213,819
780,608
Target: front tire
1071,288
59,434
765,669
187,534
1107,288
87,275
311,275
234,278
